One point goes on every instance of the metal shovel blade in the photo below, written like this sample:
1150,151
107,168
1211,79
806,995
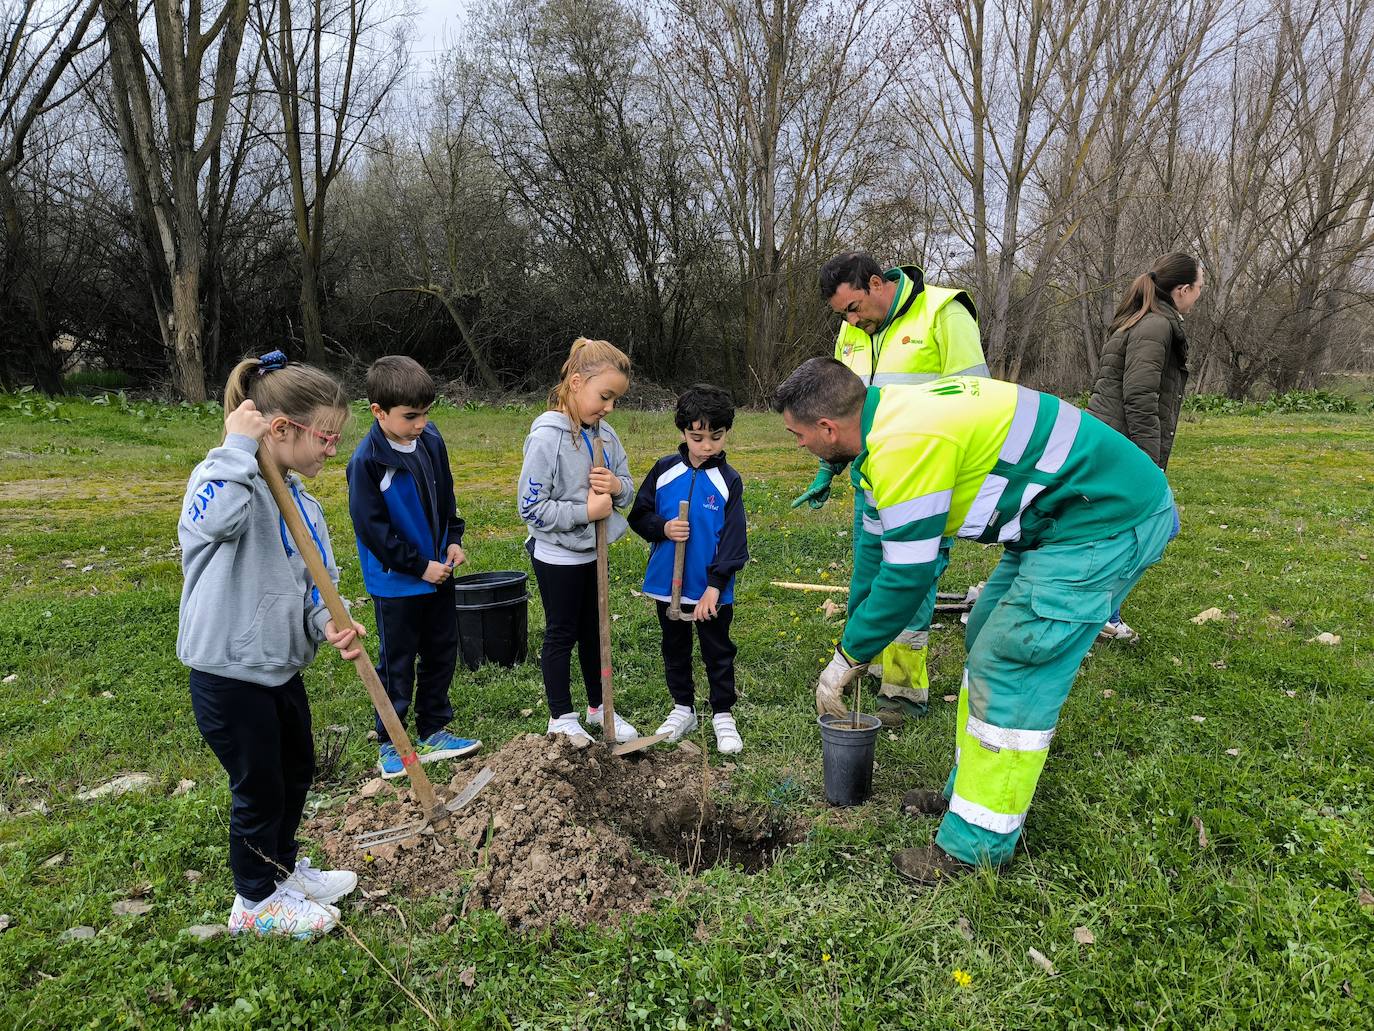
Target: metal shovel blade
637,744
389,834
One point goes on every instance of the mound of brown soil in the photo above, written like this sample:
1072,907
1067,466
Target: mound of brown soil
558,832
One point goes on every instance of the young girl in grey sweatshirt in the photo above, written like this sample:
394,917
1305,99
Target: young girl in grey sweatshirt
251,620
561,496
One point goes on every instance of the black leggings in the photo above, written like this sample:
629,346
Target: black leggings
568,594
261,736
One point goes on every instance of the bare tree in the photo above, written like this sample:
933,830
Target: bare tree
166,149
782,104
333,65
39,46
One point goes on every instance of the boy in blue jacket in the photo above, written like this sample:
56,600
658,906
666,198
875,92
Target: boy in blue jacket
400,495
714,532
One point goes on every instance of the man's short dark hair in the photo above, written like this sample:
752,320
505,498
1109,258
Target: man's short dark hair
702,403
852,268
395,380
820,388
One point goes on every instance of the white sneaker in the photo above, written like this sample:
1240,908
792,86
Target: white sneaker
623,730
678,724
568,726
728,741
285,911
323,886
1117,631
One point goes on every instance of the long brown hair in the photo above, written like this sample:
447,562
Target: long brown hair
587,358
1151,288
279,387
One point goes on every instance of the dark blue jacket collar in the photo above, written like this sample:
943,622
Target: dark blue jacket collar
714,462
381,450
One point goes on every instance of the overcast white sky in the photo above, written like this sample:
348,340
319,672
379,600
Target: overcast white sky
437,17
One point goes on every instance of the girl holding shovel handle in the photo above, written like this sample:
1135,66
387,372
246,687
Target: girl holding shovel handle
251,619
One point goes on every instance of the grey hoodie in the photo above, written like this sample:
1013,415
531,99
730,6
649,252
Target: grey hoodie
554,482
249,609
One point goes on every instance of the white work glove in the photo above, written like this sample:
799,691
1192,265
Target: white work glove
834,679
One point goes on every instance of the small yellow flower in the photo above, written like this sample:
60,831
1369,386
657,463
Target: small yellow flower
963,979
825,957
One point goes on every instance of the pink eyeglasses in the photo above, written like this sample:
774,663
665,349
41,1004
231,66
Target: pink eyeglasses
328,439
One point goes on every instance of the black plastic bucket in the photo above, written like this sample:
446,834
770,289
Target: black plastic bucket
847,757
493,618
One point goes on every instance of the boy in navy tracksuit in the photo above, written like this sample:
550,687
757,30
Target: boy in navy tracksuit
714,531
400,495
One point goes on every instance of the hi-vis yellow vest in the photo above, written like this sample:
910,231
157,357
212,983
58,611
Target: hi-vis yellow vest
907,350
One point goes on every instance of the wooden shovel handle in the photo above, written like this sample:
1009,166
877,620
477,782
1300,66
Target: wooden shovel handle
679,560
603,607
338,612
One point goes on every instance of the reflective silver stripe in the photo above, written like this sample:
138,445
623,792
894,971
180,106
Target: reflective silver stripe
1022,425
982,816
911,553
924,507
1012,530
913,639
714,475
869,500
669,475
1002,737
984,506
972,370
1061,439
872,526
889,379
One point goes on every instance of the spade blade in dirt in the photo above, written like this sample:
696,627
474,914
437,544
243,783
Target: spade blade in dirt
389,834
473,789
637,744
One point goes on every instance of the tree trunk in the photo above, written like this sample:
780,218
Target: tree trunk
188,362
312,327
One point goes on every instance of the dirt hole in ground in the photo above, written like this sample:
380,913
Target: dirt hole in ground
558,833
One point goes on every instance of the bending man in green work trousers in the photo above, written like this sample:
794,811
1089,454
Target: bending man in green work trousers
1081,511
897,329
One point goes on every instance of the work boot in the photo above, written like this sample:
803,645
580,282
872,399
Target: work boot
928,864
925,802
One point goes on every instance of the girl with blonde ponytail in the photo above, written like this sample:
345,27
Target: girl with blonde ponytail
561,495
251,620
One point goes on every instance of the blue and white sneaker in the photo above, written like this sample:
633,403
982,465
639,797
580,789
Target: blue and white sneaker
389,762
443,745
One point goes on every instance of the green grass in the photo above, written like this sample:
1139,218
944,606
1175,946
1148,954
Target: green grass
1261,929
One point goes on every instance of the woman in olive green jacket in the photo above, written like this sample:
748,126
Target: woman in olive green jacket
1144,369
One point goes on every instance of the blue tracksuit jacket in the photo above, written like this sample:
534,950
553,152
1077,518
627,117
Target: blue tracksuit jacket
716,550
401,523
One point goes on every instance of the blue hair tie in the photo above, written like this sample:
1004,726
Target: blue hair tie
271,361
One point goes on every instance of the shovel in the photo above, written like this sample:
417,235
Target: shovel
679,560
603,605
434,811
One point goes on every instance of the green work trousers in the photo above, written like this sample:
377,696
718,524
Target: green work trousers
1027,635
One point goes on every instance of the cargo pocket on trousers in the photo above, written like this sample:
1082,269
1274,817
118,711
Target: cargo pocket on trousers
1063,611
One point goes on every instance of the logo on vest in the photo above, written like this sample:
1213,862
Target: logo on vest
711,505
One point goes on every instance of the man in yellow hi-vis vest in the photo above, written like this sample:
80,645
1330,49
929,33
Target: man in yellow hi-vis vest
1081,512
897,330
